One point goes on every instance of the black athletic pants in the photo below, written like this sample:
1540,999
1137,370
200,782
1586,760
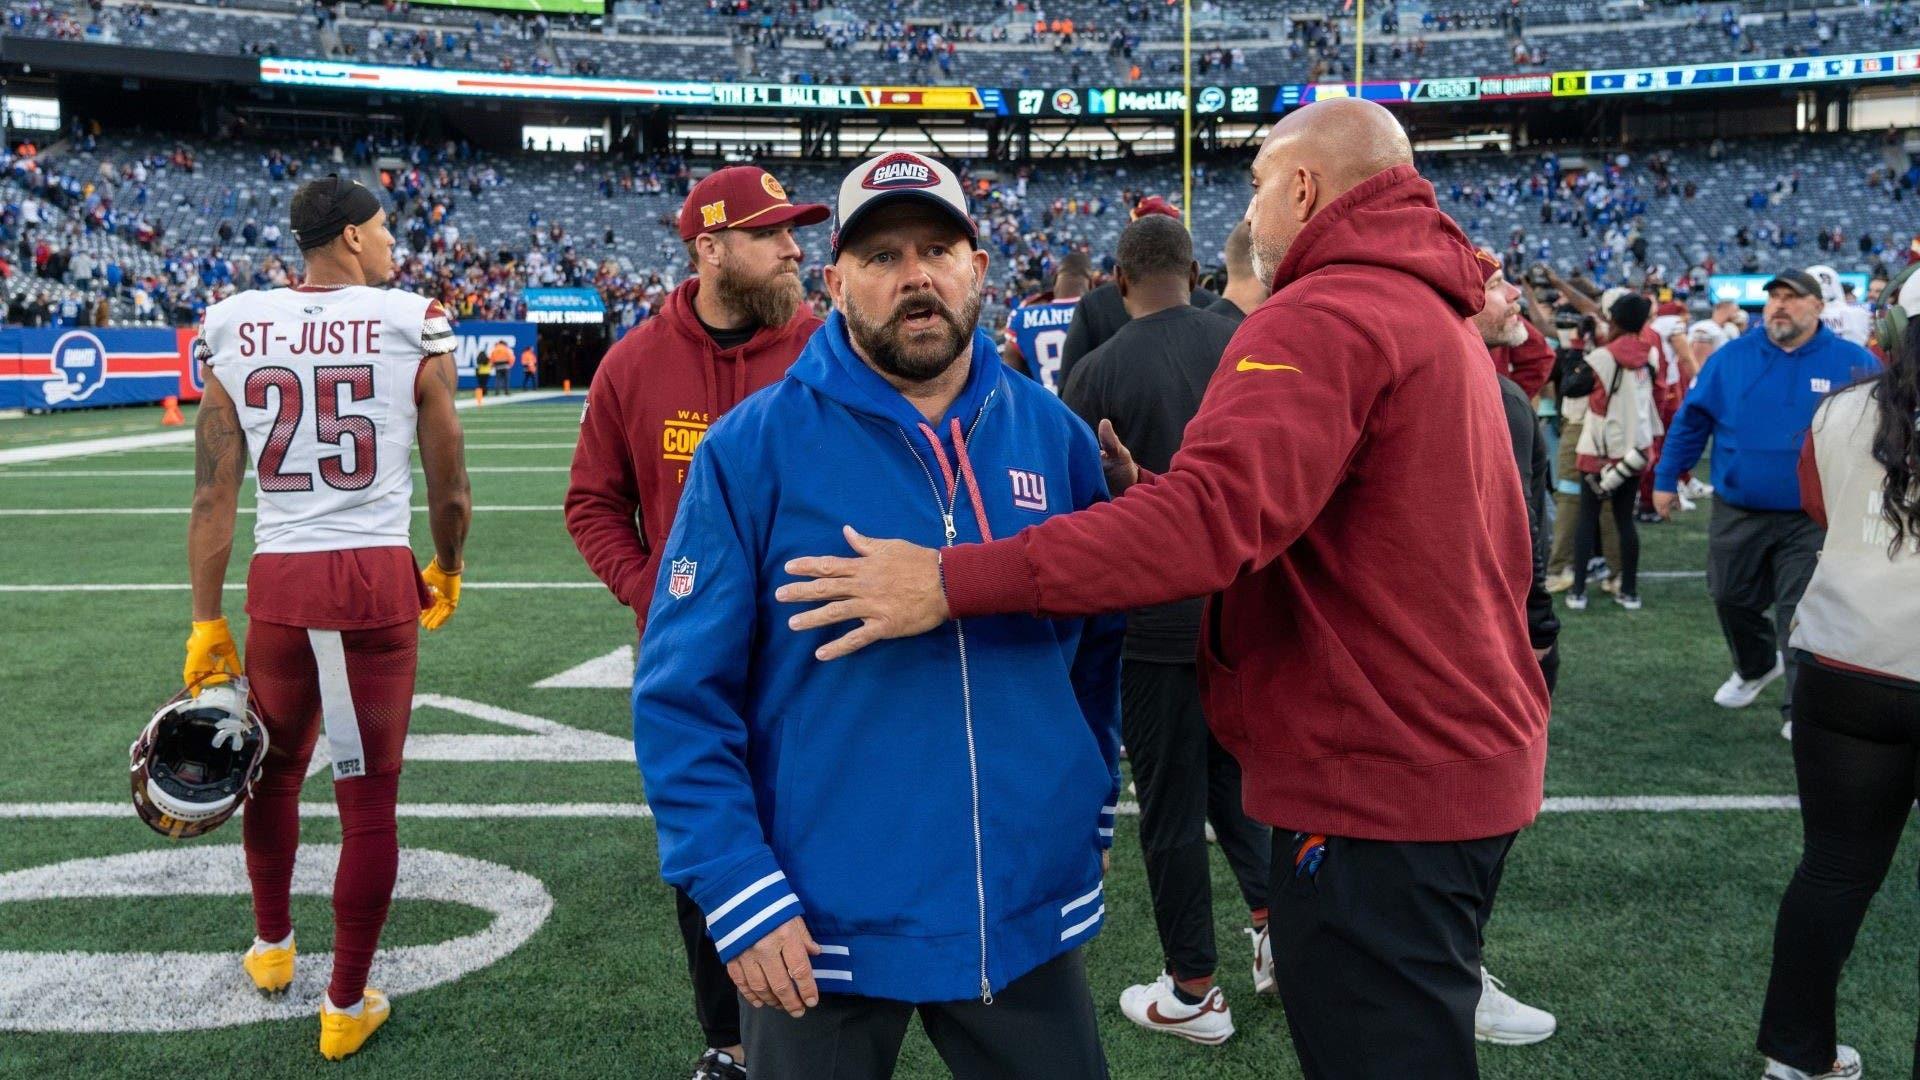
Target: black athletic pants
1586,536
1758,559
716,1003
1378,954
1186,779
1041,1025
1856,753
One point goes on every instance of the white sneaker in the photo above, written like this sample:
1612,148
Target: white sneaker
1500,1019
1687,505
1738,693
1846,1066
1786,730
1154,1007
1263,981
1577,601
1694,489
1627,600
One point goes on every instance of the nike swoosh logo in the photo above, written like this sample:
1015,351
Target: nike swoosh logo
1248,363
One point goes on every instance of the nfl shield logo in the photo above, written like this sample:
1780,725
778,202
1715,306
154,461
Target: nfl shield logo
680,578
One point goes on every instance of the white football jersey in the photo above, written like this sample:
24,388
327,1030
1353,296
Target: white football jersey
323,380
1850,321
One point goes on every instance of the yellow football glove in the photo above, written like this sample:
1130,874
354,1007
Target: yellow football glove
444,587
212,657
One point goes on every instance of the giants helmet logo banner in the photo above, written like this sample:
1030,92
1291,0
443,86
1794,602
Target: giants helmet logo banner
902,170
79,368
680,578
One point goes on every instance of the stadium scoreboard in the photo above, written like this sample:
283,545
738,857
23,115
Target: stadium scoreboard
1251,102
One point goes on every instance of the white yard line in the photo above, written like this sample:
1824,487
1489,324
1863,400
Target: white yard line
240,586
1573,804
179,437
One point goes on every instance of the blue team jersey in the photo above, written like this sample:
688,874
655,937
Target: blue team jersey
1039,330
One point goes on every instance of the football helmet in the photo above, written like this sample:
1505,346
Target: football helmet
197,760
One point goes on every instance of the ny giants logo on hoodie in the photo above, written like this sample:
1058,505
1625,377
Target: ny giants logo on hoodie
1029,490
900,170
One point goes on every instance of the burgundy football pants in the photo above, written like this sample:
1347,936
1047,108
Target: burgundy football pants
356,688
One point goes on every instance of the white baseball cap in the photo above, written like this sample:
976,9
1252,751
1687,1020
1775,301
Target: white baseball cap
1829,280
894,177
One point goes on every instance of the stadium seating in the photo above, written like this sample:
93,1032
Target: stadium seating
474,207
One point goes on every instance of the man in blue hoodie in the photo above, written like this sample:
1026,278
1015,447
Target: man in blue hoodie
925,828
1756,398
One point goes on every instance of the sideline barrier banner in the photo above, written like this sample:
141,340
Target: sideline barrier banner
477,337
81,367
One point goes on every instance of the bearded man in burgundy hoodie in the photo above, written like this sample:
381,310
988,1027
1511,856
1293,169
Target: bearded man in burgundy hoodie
1347,501
733,327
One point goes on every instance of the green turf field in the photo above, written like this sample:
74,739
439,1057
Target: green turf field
1647,932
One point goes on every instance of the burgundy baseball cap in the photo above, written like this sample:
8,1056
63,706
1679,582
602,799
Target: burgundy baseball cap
1154,204
742,197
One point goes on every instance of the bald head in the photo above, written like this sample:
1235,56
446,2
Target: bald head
1311,157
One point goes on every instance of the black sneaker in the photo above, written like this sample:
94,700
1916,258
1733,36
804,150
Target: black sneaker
715,1065
1647,517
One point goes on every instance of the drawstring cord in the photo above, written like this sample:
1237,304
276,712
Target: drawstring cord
966,473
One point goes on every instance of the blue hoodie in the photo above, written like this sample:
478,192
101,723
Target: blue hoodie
935,807
1756,400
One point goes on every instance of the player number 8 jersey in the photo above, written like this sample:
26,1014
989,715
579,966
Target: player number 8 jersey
323,382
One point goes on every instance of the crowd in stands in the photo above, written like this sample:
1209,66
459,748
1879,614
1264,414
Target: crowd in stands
1017,43
159,227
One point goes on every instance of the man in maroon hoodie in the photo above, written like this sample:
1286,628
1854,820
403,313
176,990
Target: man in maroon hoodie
1347,496
732,328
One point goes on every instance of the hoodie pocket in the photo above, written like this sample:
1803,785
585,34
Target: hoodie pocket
1219,672
873,829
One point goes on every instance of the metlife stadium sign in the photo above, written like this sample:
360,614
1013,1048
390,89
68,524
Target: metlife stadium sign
1078,101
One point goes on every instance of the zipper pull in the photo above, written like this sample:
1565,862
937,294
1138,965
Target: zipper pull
951,531
986,991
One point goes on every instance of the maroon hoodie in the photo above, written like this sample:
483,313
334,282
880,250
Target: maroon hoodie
1348,497
650,403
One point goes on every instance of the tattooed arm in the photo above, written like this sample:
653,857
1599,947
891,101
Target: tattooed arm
219,464
443,459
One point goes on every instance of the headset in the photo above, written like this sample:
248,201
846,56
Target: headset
1891,326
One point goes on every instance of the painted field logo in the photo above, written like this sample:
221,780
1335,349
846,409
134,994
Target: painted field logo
79,368
901,170
680,578
88,991
1029,490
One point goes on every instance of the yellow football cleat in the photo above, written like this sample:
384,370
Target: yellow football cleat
271,969
341,1032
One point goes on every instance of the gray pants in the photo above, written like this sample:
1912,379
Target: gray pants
1758,559
1040,1025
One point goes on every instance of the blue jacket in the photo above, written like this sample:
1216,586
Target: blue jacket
1756,401
936,806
